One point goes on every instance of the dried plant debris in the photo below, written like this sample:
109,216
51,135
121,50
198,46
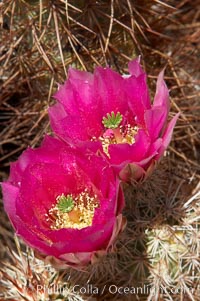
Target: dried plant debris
40,40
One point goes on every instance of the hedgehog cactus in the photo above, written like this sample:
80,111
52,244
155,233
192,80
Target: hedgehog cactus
42,41
173,253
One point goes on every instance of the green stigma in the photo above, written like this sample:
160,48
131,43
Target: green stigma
65,203
112,121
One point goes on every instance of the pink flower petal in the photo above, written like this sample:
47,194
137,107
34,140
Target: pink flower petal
167,136
69,128
126,152
81,123
108,92
65,96
155,120
10,193
131,172
161,98
137,97
135,68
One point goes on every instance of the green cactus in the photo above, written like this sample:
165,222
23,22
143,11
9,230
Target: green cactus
40,39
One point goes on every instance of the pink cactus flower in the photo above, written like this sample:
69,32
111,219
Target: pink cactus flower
115,113
64,204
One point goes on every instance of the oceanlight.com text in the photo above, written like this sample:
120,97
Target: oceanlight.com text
114,289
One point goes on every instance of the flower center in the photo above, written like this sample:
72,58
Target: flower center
71,211
116,131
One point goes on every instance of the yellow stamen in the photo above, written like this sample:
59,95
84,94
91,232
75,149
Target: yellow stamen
120,135
81,216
